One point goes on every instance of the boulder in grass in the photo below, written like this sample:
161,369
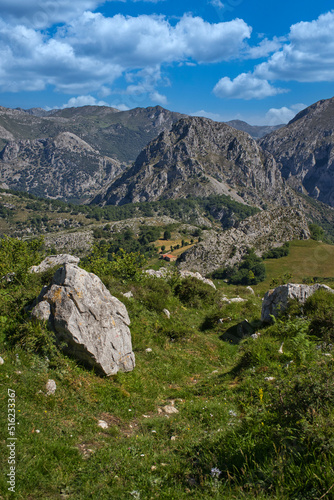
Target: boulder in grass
277,300
91,323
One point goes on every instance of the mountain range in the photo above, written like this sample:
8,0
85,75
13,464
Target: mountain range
116,157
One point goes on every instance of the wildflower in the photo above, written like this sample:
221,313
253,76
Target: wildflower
215,472
261,395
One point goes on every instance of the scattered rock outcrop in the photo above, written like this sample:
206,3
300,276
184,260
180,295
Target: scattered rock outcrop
54,260
92,323
277,300
262,231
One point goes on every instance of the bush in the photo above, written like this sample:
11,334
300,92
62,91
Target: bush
250,271
320,309
154,293
277,253
194,292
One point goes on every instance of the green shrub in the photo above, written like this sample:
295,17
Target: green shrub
250,271
320,309
194,292
153,293
277,253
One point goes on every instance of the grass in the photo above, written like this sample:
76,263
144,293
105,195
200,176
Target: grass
307,259
249,423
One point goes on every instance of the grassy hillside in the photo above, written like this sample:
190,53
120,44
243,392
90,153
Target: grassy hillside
307,259
251,421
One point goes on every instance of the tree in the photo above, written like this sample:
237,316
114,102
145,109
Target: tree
167,235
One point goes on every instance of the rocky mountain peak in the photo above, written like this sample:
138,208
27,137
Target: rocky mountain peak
199,157
304,150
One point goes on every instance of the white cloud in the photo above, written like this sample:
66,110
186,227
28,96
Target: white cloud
43,13
245,86
93,51
83,100
120,107
283,115
307,57
158,98
217,3
264,48
208,114
132,41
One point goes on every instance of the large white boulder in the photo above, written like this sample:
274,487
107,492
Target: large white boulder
276,300
92,323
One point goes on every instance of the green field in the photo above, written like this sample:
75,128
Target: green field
307,259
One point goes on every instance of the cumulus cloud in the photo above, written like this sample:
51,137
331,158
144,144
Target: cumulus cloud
158,98
264,48
42,13
277,116
307,57
245,86
92,51
208,114
83,100
133,40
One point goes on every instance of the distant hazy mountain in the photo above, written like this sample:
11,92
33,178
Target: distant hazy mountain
97,143
256,131
200,157
304,150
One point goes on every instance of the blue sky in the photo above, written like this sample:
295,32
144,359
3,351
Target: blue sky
257,61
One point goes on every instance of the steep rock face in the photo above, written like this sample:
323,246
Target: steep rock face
262,231
304,150
63,167
92,323
200,157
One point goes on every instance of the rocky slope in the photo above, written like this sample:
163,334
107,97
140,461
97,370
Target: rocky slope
62,167
200,157
72,153
304,150
262,231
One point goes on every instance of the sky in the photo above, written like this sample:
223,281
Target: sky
257,61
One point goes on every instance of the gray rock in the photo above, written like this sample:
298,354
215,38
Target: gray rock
128,295
166,312
50,387
1,361
169,409
163,272
54,260
276,300
103,424
88,319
